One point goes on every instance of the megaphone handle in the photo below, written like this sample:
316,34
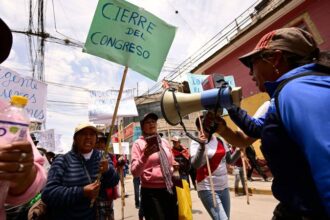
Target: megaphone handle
177,107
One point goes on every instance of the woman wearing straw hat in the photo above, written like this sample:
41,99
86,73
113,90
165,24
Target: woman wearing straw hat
72,182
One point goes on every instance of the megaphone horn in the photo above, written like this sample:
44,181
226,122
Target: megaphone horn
176,105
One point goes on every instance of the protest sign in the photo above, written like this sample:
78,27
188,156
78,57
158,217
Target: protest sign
126,34
137,133
46,139
12,83
123,150
230,80
195,82
102,105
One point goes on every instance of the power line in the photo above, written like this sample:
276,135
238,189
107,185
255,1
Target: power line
55,26
69,103
68,86
205,50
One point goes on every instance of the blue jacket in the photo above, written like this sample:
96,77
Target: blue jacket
296,143
63,193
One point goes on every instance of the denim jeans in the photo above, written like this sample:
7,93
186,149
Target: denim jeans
222,209
239,177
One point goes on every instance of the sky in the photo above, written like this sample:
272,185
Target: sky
70,73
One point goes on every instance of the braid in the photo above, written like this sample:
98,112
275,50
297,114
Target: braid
323,59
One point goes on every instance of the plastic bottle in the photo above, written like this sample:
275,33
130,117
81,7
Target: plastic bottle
14,123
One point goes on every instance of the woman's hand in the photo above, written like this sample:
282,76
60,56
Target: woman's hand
104,165
221,124
92,190
121,162
17,166
176,166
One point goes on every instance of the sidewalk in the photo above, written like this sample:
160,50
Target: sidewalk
258,186
261,205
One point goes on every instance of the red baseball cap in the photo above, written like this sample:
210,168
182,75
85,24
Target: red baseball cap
294,40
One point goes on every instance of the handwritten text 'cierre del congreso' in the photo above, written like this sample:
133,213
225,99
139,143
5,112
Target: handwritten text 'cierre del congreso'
139,27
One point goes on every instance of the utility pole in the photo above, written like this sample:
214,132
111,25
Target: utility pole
37,60
41,42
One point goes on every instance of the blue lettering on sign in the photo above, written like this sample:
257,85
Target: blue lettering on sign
196,81
126,16
10,78
98,39
36,113
135,33
2,132
8,93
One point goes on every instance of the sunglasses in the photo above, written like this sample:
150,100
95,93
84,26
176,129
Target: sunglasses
261,56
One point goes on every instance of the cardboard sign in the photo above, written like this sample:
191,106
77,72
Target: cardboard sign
12,83
46,139
137,133
126,34
195,82
123,150
102,105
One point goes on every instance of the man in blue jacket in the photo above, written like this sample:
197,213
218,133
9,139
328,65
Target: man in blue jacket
295,132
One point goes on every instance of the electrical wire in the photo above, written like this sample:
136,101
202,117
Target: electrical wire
54,17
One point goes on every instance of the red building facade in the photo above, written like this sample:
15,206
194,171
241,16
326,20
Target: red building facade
312,15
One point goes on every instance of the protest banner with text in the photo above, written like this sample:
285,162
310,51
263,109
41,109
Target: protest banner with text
195,83
126,34
124,149
12,83
102,104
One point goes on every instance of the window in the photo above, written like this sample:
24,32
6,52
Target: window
305,22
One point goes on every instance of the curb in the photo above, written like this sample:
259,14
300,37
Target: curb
254,191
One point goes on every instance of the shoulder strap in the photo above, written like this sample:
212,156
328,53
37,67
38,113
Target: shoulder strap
284,82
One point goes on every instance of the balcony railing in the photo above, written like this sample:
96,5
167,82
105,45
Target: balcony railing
249,17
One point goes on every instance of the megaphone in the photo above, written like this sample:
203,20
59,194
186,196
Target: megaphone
175,105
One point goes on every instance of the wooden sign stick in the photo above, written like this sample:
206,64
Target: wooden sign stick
122,183
245,179
112,125
208,165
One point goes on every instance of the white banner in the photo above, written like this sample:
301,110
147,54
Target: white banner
12,83
124,148
102,105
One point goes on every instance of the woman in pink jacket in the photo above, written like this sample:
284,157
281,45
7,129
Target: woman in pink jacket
152,161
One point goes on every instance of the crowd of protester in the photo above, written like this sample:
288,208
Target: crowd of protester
82,183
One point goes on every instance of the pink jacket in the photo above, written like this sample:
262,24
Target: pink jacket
148,168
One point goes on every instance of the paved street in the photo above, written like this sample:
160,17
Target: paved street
260,208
